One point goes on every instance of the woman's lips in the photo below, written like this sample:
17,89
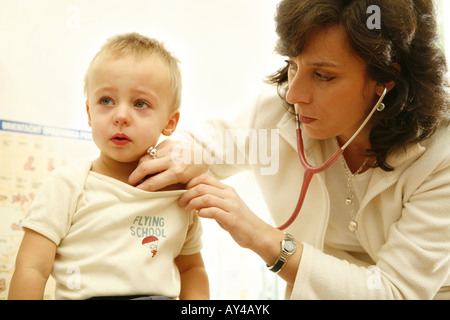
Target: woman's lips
306,120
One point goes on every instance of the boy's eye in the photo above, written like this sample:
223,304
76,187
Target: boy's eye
106,101
141,104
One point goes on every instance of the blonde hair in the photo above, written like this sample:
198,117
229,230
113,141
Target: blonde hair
140,46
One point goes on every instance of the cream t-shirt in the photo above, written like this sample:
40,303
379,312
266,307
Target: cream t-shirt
112,239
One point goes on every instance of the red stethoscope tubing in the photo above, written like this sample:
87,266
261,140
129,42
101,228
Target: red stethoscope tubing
307,176
311,170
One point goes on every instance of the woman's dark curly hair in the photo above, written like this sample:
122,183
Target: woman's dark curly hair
407,37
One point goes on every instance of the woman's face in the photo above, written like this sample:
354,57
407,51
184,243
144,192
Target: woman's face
329,87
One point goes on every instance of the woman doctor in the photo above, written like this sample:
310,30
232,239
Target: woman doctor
376,224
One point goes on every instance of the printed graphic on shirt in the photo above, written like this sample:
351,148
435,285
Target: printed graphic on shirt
150,229
152,243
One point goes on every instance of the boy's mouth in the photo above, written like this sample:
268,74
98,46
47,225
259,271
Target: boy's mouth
120,139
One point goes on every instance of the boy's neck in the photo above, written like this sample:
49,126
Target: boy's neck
117,170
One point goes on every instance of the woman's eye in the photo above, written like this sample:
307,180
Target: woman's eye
323,77
141,104
106,101
291,65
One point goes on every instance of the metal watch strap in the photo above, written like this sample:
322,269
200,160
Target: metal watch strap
283,256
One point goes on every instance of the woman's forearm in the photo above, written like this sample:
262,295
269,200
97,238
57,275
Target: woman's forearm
269,249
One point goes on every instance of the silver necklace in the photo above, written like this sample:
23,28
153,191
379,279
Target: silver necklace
349,200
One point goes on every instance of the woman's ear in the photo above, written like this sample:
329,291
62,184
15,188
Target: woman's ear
171,124
88,113
390,84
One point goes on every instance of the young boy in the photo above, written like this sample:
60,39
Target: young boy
97,235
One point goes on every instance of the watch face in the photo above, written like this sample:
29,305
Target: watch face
289,246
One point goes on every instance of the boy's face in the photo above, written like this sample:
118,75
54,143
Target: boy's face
129,106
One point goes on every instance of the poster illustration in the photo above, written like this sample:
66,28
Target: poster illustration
28,153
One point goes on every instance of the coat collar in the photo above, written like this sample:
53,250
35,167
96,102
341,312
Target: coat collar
287,127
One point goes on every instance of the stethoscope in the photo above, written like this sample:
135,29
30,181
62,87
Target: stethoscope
311,170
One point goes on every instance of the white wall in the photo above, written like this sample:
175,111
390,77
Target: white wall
225,47
444,22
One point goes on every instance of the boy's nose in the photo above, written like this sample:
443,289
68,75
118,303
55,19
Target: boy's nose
122,116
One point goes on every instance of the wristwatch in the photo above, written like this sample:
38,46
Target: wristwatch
288,247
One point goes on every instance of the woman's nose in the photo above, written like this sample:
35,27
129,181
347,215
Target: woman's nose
298,90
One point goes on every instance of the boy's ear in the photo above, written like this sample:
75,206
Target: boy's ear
171,124
88,113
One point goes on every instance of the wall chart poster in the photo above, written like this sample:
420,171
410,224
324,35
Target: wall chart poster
28,153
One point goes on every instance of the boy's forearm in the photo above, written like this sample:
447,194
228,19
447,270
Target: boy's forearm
27,284
194,284
34,264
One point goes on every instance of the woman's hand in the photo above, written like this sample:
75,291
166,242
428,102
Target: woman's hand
171,166
215,200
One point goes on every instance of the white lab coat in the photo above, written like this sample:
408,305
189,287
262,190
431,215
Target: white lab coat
404,217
